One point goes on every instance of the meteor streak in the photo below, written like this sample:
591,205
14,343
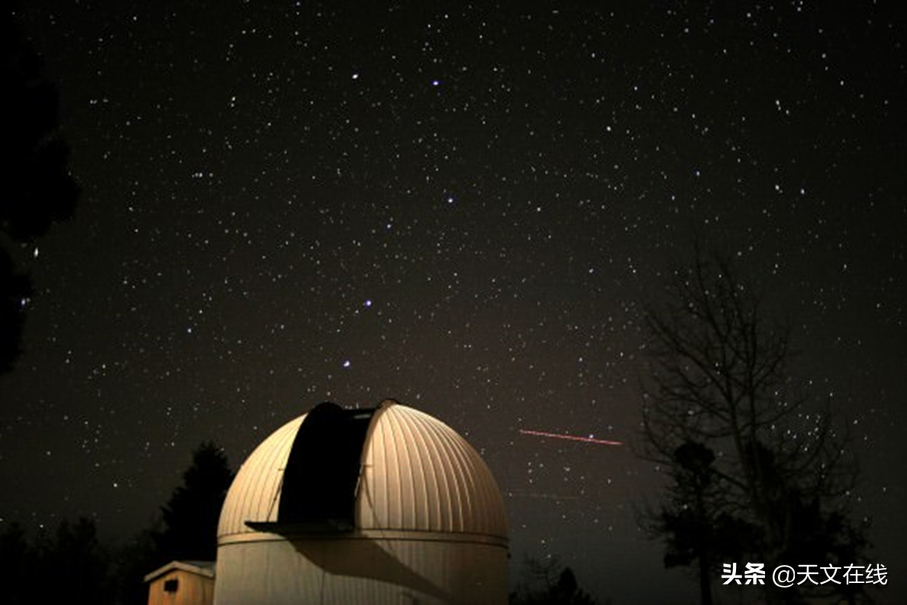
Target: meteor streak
571,437
541,495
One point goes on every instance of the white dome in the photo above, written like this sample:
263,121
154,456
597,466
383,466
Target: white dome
414,473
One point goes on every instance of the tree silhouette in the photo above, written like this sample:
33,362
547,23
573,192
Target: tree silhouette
17,565
135,559
693,520
69,565
35,187
78,564
191,515
83,570
719,383
548,583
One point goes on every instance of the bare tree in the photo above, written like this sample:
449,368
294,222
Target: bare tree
744,446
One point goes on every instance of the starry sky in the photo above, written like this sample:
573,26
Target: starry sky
464,207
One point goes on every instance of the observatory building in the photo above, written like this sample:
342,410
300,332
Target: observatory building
378,505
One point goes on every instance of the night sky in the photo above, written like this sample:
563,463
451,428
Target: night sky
462,207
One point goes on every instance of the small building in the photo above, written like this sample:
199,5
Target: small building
182,583
378,505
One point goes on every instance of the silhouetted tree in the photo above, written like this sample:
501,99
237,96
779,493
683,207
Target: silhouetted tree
17,565
190,516
135,559
78,565
693,520
68,565
35,187
719,383
15,288
548,583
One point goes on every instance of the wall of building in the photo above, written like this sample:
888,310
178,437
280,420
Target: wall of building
191,589
374,569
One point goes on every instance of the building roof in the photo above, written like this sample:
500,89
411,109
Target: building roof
201,568
386,468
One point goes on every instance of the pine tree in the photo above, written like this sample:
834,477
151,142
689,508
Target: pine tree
192,513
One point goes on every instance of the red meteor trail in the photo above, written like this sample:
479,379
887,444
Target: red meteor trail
571,437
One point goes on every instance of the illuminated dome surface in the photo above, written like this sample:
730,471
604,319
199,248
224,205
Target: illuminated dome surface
387,468
375,506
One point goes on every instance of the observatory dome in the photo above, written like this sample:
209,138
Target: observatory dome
387,503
